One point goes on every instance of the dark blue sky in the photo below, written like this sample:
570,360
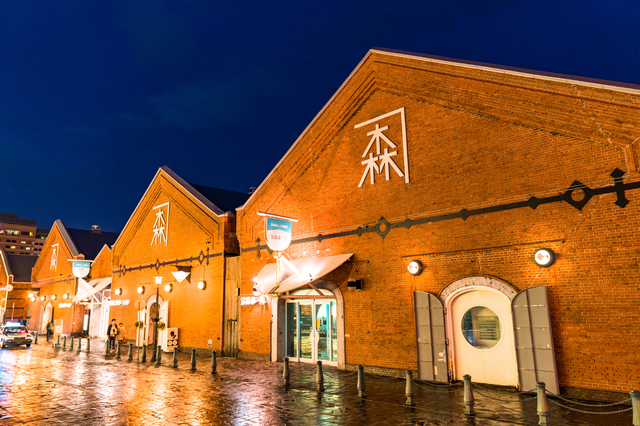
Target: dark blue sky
96,96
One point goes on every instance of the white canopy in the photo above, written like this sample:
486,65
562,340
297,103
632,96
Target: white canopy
88,289
309,270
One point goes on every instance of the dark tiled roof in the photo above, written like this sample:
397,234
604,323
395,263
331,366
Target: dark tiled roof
90,243
14,219
42,232
21,265
223,198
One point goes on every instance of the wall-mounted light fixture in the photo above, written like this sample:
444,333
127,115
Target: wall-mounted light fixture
415,267
158,279
354,284
168,288
118,291
43,298
65,296
54,297
141,289
544,257
182,273
256,293
202,285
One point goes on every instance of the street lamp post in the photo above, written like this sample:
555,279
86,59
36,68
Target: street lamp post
158,281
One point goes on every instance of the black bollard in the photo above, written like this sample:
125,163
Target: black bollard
118,350
286,375
214,362
144,353
175,357
106,348
64,342
193,359
635,396
79,344
36,342
71,343
409,392
158,355
88,345
130,356
58,342
319,377
361,392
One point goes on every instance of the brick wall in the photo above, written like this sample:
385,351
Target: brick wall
476,139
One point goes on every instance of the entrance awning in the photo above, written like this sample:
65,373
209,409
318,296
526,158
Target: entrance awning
310,270
88,289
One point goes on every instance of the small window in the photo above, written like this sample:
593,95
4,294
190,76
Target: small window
481,327
11,232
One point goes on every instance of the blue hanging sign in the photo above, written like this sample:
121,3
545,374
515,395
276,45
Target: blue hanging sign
278,233
81,268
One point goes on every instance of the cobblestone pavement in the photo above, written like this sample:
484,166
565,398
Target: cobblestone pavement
43,386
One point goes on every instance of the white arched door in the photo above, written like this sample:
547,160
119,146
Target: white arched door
481,326
46,318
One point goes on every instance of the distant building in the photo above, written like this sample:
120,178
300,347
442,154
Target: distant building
21,236
15,270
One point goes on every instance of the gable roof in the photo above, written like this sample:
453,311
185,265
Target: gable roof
90,243
223,198
562,78
21,266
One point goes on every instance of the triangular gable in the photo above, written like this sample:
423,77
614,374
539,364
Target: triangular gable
66,249
367,79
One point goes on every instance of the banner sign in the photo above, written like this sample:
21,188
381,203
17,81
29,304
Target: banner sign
118,302
278,233
81,268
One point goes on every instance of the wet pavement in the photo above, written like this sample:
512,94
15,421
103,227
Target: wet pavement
44,386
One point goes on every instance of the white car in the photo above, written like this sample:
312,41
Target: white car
14,334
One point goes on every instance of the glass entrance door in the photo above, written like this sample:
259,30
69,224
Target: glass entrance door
312,331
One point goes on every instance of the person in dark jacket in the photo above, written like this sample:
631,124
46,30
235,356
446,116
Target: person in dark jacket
112,332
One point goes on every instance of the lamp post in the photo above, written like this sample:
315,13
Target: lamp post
158,281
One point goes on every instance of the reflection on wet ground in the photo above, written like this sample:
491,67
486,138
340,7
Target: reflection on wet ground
42,385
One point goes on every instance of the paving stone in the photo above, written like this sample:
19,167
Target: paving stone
42,385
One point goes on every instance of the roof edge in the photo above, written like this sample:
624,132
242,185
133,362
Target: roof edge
65,234
7,266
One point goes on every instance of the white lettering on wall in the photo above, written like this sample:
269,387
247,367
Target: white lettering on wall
161,225
382,155
54,257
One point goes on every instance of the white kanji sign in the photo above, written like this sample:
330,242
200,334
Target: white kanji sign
161,224
53,266
382,155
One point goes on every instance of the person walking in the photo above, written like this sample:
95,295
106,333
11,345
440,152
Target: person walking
112,332
121,337
49,330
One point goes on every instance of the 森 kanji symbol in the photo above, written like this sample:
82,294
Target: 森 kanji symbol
386,162
159,234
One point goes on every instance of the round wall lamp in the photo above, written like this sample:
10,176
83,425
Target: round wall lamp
43,298
141,289
65,296
256,293
544,257
415,267
118,291
168,288
202,285
54,297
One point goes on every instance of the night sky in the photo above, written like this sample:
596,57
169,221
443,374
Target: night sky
96,96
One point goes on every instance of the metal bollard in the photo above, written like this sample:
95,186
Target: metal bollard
79,344
64,342
36,341
635,396
543,407
71,343
469,402
319,377
409,389
285,373
88,345
175,357
214,362
361,393
144,353
153,355
106,347
118,350
193,359
130,355
158,355
58,342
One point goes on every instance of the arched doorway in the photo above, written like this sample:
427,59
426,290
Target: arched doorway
480,326
46,316
149,313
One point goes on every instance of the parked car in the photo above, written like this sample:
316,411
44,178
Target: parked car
14,334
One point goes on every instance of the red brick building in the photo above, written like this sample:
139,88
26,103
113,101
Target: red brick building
179,228
60,291
468,170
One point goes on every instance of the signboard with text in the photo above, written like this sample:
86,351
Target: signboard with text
81,268
277,233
